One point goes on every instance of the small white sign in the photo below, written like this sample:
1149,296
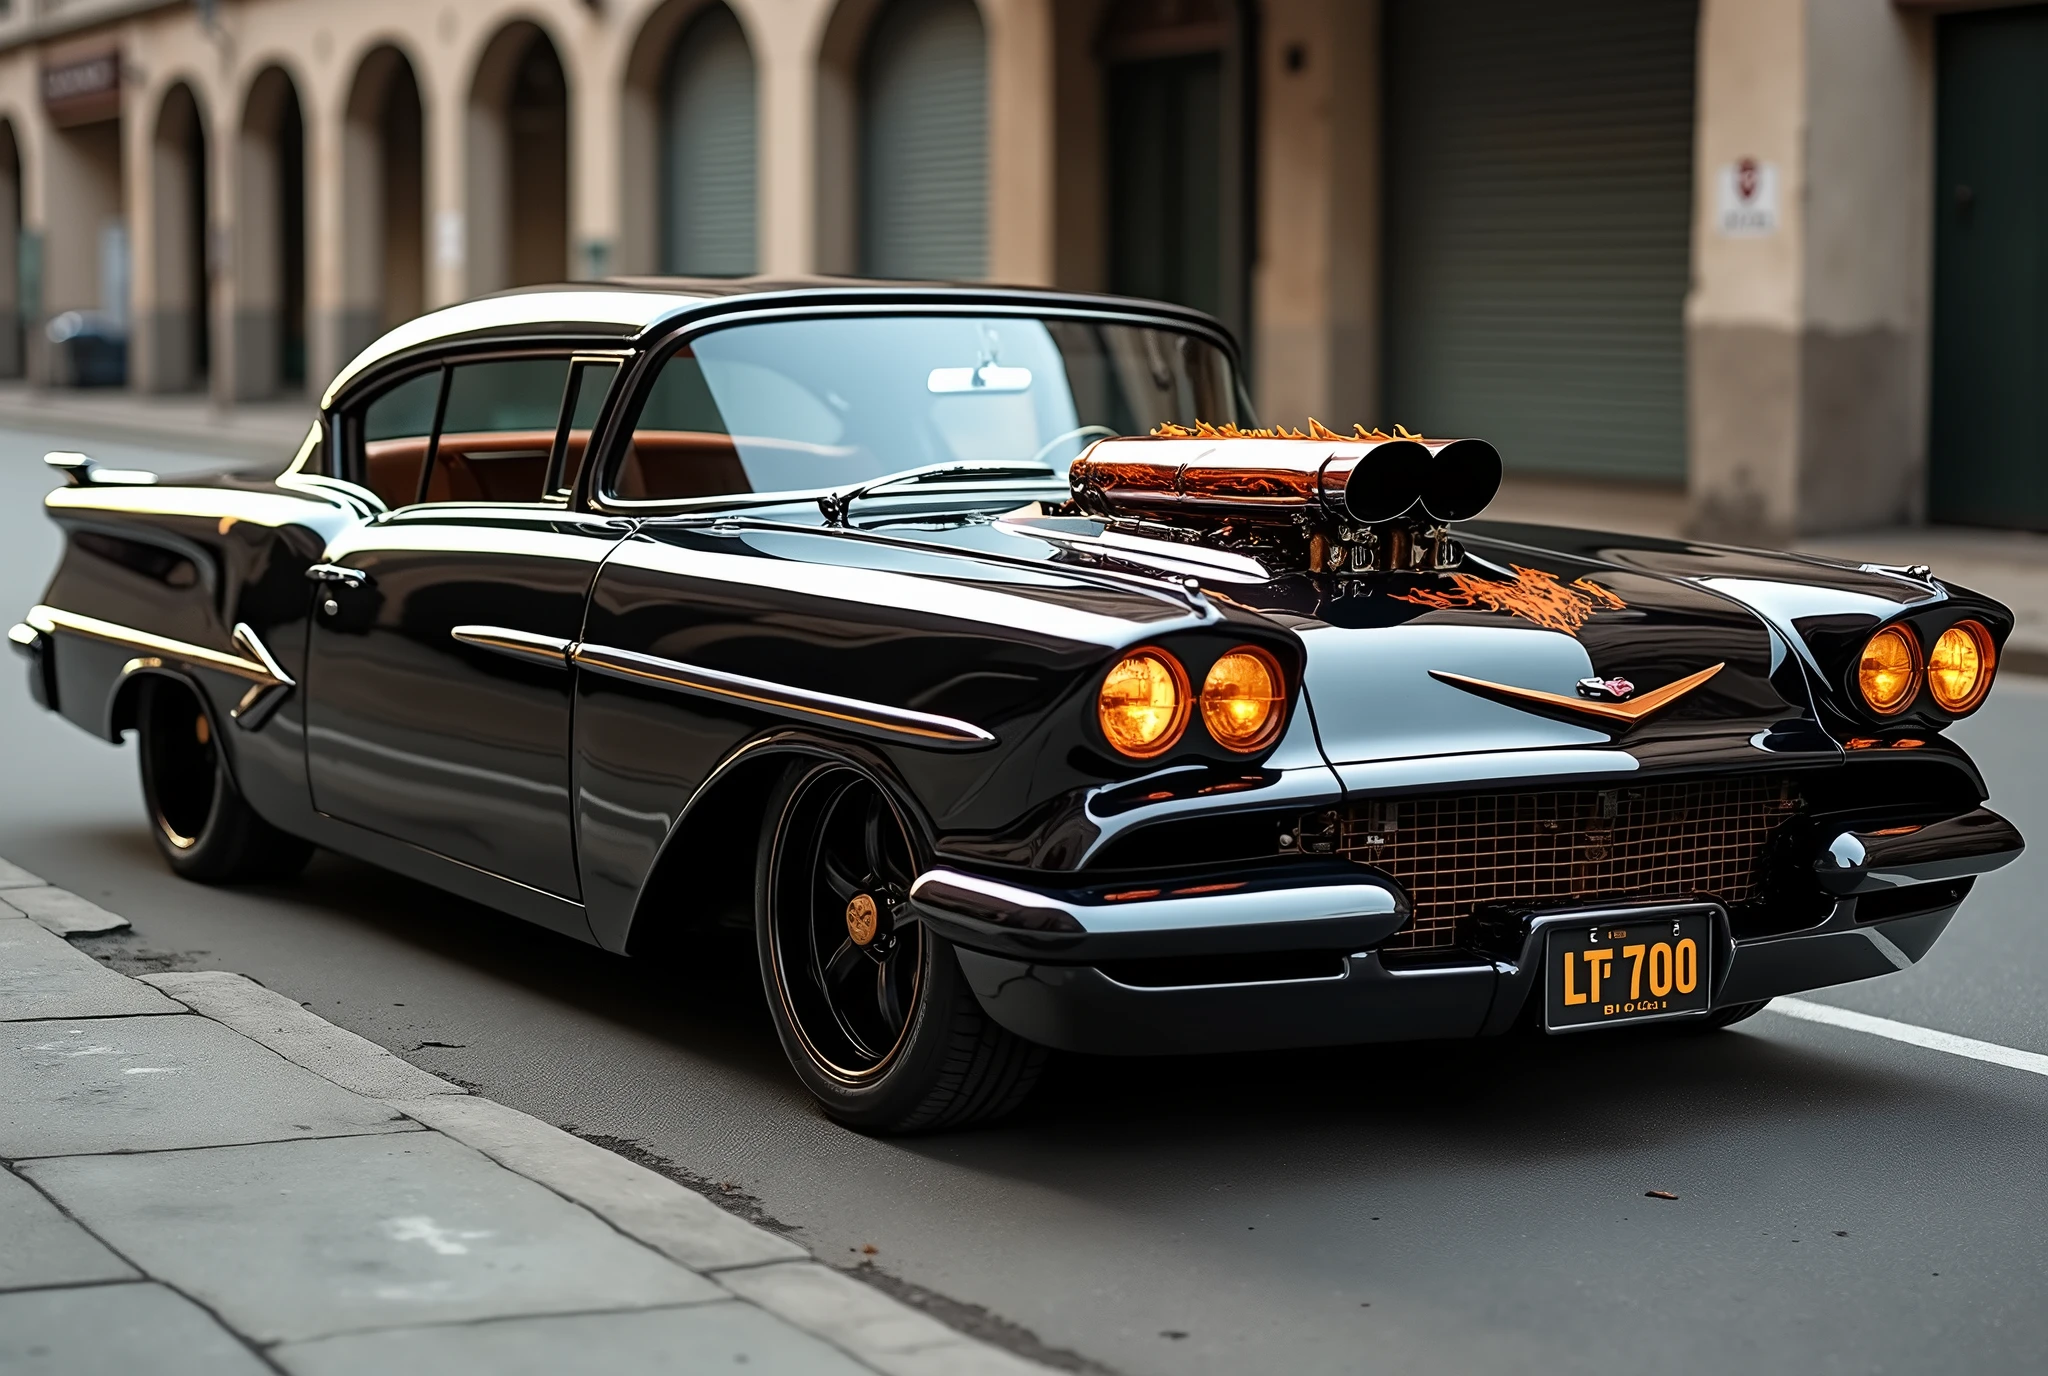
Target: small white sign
1747,199
448,239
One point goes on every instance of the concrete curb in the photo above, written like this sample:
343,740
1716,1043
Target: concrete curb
751,1263
60,910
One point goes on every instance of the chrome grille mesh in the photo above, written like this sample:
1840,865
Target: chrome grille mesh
1455,854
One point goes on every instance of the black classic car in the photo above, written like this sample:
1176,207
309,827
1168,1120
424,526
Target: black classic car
976,652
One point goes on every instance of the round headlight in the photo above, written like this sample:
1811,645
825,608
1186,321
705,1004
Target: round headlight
1959,669
1143,706
1242,699
1889,673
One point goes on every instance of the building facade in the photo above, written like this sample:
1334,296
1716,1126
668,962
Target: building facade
1784,252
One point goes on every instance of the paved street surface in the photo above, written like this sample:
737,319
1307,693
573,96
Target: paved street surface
1845,1202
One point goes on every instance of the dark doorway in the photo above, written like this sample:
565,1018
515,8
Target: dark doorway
1176,165
1988,435
537,120
291,219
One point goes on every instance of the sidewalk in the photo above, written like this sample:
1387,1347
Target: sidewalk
199,1176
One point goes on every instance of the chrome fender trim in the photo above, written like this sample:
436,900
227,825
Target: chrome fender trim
892,723
520,645
268,681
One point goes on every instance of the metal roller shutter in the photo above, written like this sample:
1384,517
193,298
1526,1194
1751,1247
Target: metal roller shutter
1539,221
924,143
708,196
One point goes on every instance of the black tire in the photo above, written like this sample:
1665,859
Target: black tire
202,825
1727,1017
884,1032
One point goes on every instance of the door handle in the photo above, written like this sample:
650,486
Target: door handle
338,573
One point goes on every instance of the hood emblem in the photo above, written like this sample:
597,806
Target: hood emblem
1605,689
1557,704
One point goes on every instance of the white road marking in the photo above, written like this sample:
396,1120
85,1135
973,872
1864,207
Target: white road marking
449,1242
2033,1062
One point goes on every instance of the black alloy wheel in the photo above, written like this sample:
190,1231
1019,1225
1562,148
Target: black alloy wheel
202,824
871,1007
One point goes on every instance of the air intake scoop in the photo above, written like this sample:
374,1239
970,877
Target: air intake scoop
1362,501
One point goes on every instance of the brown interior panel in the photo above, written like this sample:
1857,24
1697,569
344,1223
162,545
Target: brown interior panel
497,466
392,468
666,464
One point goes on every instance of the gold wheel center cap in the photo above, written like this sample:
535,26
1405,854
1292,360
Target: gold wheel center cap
861,919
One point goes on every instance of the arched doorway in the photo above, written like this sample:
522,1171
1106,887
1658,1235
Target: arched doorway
708,149
270,242
1175,111
384,263
12,308
924,142
178,334
519,163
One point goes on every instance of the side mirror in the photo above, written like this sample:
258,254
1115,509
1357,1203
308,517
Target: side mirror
81,470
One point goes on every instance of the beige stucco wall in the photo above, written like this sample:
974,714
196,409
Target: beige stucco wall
1807,348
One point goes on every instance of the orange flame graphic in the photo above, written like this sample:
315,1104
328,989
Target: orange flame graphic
1203,430
1534,596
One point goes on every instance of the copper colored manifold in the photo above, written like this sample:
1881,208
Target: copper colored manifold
1362,480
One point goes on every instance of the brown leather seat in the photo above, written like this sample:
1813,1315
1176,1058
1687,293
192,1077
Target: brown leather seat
663,465
495,466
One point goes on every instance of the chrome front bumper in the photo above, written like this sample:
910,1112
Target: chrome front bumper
1055,966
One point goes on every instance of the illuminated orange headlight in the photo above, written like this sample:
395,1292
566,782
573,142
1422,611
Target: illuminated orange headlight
1143,706
1889,673
1960,668
1242,699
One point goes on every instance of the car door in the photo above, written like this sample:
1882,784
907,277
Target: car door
439,688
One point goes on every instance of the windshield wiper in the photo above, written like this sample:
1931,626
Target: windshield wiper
838,503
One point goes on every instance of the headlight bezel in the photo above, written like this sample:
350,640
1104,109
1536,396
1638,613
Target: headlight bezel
1987,666
1915,669
1276,716
1183,708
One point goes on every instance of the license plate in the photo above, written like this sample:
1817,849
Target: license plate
1612,972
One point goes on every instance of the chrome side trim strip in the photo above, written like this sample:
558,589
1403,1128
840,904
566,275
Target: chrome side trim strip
262,699
263,672
520,645
896,723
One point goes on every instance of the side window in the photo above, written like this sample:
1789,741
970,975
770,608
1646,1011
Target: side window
498,430
680,446
588,386
397,432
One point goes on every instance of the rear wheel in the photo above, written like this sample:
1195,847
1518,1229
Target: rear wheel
201,823
872,1008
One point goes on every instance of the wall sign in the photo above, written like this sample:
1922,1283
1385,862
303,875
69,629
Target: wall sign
83,88
1747,199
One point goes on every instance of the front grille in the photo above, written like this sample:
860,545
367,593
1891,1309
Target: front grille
1670,841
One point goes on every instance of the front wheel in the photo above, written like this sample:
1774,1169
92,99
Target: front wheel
202,825
872,1008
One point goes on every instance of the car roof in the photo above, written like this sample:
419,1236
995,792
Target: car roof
623,307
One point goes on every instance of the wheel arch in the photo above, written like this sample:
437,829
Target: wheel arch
706,867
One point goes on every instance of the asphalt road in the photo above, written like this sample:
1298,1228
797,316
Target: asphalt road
1845,1203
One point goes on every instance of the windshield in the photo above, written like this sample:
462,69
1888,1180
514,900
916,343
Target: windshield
804,404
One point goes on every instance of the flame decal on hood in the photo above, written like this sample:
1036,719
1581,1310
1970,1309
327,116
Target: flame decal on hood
1534,596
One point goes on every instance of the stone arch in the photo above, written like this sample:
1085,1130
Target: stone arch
270,240
686,49
384,216
518,166
175,335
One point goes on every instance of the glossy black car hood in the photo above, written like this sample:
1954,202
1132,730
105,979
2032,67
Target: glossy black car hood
1531,608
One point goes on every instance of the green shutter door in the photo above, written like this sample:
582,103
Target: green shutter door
924,143
1539,224
707,164
1988,440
